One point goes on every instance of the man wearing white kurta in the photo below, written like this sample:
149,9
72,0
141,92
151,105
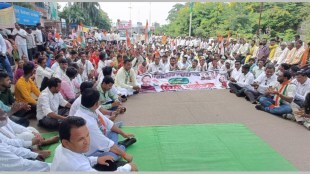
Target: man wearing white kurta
18,158
88,67
75,141
42,71
260,85
126,78
102,131
20,41
302,88
243,82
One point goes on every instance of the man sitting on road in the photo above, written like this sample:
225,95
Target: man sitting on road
283,94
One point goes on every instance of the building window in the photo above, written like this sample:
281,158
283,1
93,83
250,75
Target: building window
39,4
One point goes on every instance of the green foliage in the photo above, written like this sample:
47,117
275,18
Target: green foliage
87,12
241,19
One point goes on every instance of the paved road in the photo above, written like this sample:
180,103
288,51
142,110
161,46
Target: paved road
219,106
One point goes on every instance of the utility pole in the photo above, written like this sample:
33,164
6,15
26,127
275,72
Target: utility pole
260,17
150,15
190,18
130,19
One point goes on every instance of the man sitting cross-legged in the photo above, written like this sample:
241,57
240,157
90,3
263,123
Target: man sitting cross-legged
243,82
283,94
75,141
126,78
25,86
261,84
103,132
20,136
19,158
109,99
77,103
48,112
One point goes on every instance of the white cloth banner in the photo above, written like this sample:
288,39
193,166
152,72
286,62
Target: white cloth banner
182,80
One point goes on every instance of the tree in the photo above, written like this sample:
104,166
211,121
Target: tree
241,19
172,14
87,12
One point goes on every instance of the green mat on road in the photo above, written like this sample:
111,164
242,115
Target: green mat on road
208,147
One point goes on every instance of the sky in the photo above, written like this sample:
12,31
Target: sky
140,11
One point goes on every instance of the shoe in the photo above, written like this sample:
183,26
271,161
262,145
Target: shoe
128,142
307,125
289,117
260,107
120,163
247,98
231,91
239,94
136,92
301,122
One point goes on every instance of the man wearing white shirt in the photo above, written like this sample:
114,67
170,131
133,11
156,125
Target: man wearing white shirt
278,60
194,66
202,67
5,64
75,141
77,103
258,70
61,70
19,158
56,63
184,64
236,72
214,65
260,85
102,131
89,69
20,40
48,113
283,95
42,72
165,63
155,67
243,82
39,38
302,88
243,49
31,45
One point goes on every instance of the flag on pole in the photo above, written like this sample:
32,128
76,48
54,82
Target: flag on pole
191,4
57,35
128,39
146,32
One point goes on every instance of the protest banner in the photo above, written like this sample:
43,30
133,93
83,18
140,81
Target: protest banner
182,80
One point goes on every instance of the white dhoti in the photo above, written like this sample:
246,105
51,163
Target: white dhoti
27,136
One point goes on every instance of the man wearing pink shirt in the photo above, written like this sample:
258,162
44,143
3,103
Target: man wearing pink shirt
67,86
